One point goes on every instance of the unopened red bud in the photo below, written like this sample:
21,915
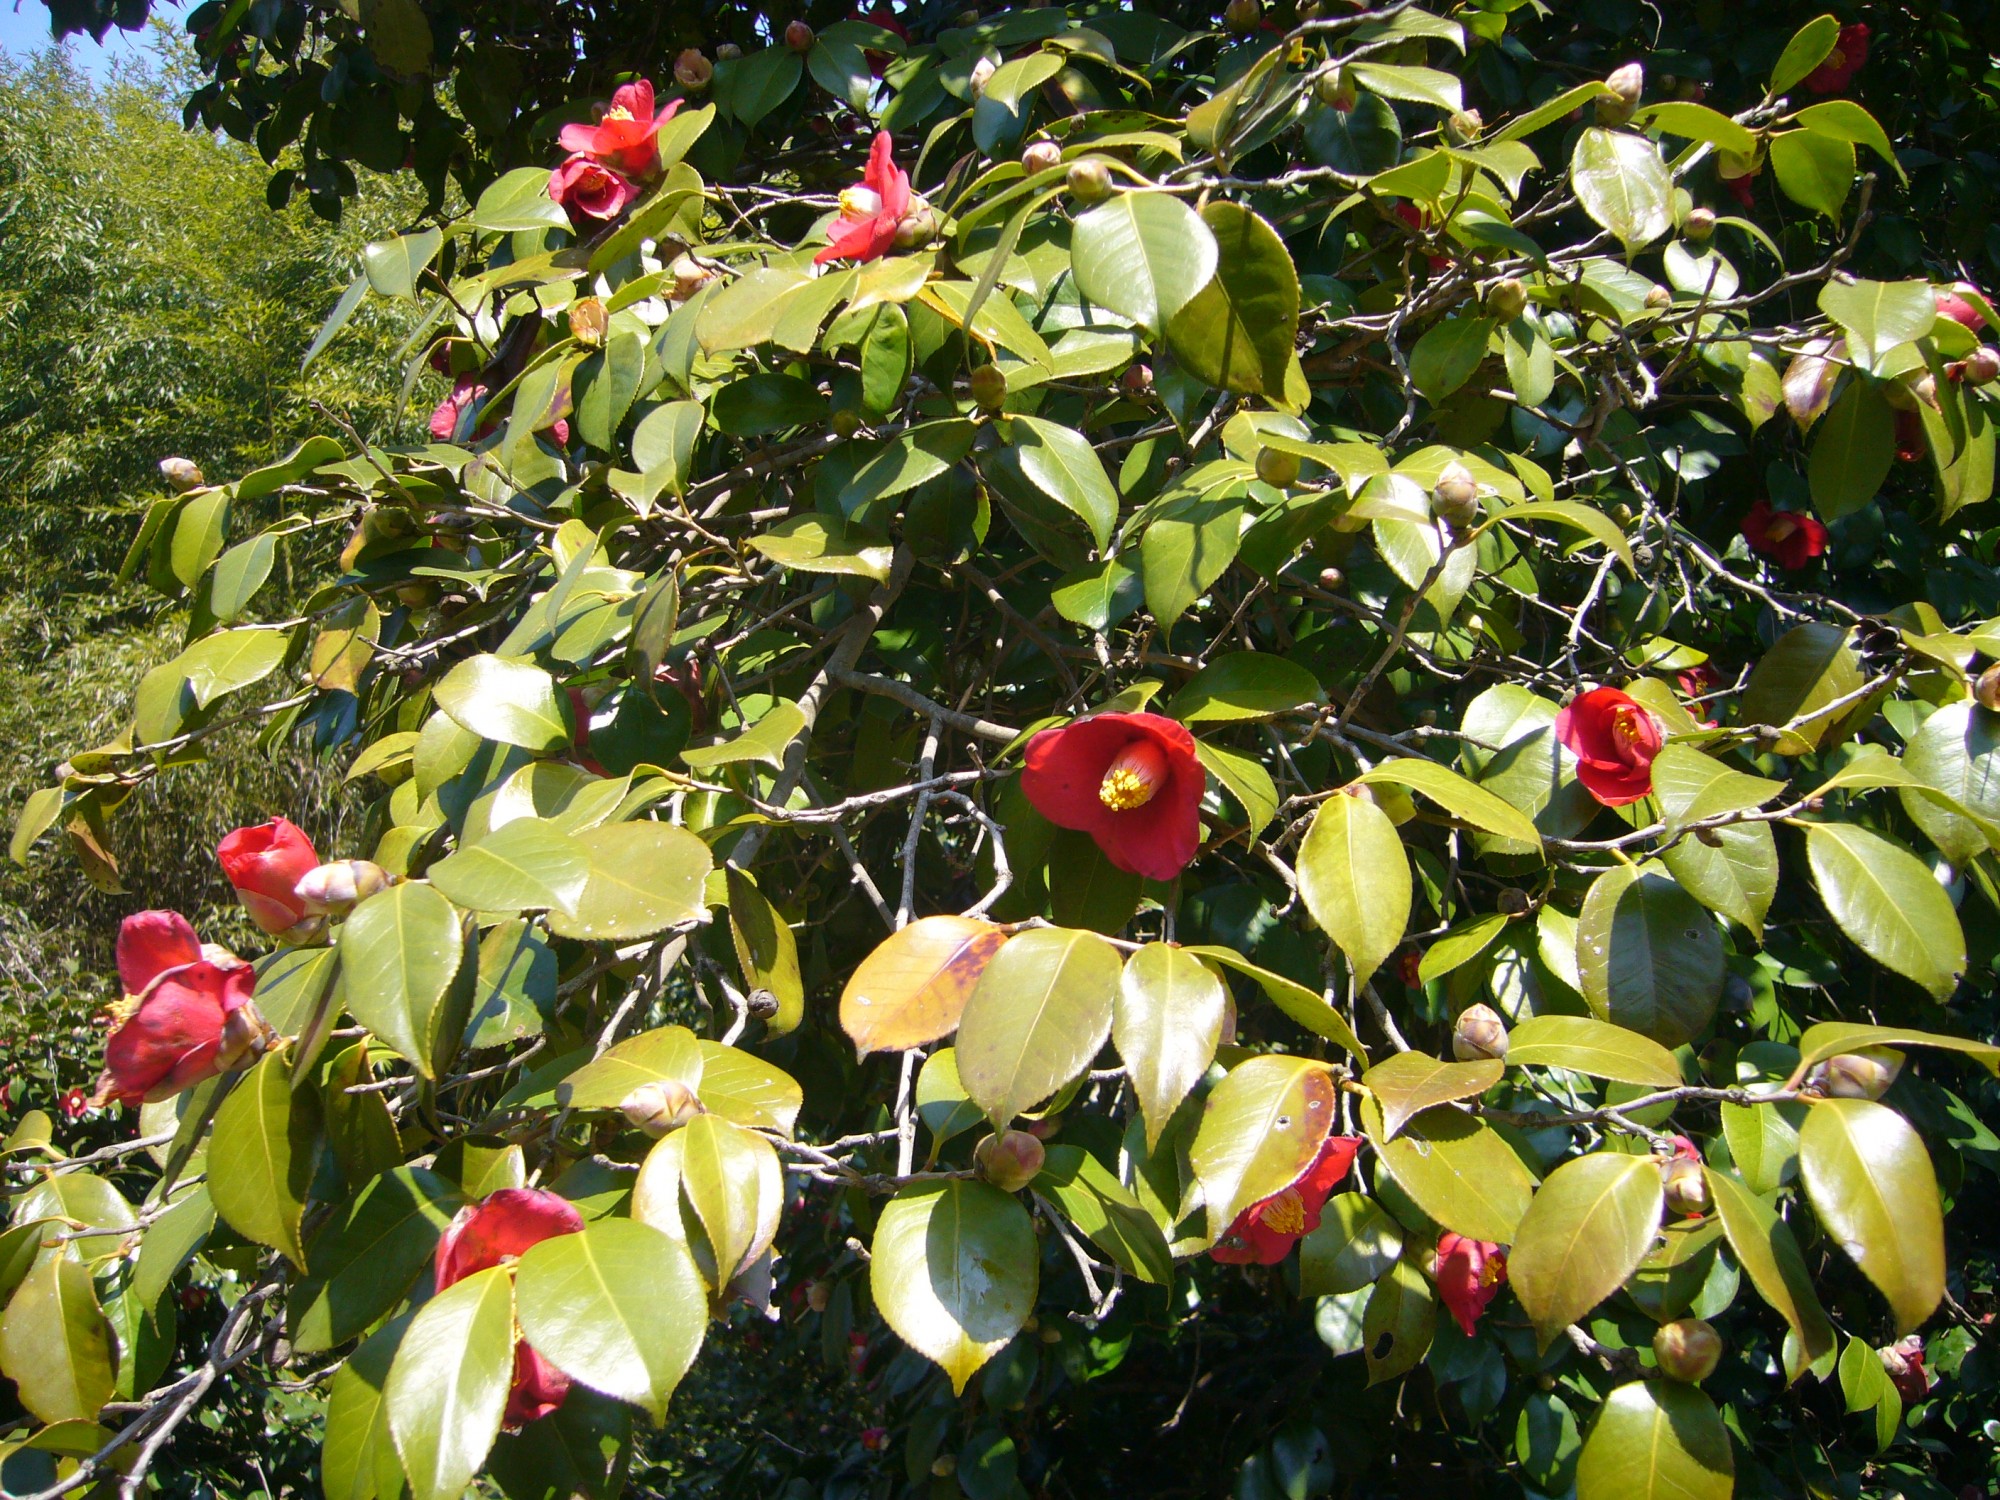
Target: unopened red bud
1686,1188
1480,1034
1987,688
1456,498
727,52
1137,380
1010,1160
1626,85
1981,366
335,888
1688,1349
1041,155
1089,180
1904,1363
661,1106
1866,1074
692,71
1277,468
1507,299
182,474
982,74
799,36
989,388
1699,224
918,226
1243,16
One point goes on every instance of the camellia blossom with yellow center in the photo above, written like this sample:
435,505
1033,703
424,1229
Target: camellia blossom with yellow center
1264,1233
1131,781
870,210
1615,739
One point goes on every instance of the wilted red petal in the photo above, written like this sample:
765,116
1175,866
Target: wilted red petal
1470,1274
172,1039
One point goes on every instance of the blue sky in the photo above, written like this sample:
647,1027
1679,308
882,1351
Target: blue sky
24,29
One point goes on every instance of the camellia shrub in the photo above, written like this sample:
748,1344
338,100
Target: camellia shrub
1062,680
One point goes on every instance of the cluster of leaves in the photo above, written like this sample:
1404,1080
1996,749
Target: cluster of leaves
1243,378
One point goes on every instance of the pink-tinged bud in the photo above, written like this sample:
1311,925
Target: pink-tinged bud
1688,1349
265,864
1137,380
1456,498
727,52
1658,297
982,74
1243,16
1904,1362
918,226
660,1107
1952,305
1686,1187
989,388
693,71
1465,126
336,888
1866,1074
1041,155
1626,85
182,474
1699,224
1010,1160
1507,299
799,36
690,276
1987,688
1480,1034
1335,90
588,321
1981,366
1277,468
1089,180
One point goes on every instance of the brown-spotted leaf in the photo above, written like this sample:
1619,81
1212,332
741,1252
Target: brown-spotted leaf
912,989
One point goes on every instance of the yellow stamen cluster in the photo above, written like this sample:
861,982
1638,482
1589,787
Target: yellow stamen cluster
860,202
618,112
1286,1213
1124,789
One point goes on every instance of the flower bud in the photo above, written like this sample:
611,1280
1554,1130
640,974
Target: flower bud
818,1294
1507,299
727,52
919,226
1699,224
1466,125
1335,90
982,74
1686,1187
1041,155
1456,498
989,388
799,36
1658,297
1137,380
690,276
1925,390
1512,902
182,474
944,1465
1626,85
1981,366
1089,180
336,888
1904,1362
588,321
1243,16
846,422
1866,1074
692,71
1010,1160
1688,1349
660,1106
245,1035
1480,1034
1987,688
1276,468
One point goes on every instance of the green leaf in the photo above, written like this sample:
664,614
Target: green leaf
261,1155
748,1091
1461,798
732,1180
822,544
1844,120
198,534
1763,1143
1261,1127
911,458
1531,362
766,951
1815,171
1143,256
1445,357
1062,465
644,878
953,1272
1692,787
393,266
617,1307
342,311
1583,1236
1794,683
1809,46
518,201
750,87
399,953
765,741
1957,752
508,701
1650,957
1245,685
1039,1014
1831,1038
1656,1440
1871,1184
1398,1323
1411,84
1355,880
45,804
667,1053
357,1437
1766,1249
1885,900
1456,1169
368,1255
55,1344
1587,519
1356,1242
1583,1044
1307,1007
232,660
1877,316
1184,551
1460,946
1166,1022
1697,122
604,386
1245,779
237,576
1623,185
1407,1083
448,1386
1110,1216
1236,333
525,865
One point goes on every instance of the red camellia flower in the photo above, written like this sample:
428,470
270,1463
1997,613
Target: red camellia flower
186,1016
1904,1360
1850,51
1699,681
1264,1233
1793,539
627,136
1469,1275
466,392
265,864
1130,781
1614,739
871,209
74,1104
503,1226
585,188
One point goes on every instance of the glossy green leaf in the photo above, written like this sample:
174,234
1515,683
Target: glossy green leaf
399,953
1357,1241
1307,1007
357,1444
1693,788
953,1271
731,1178
764,742
766,951
1956,751
644,878
1877,316
1585,1233
1355,880
519,200
1871,1185
1062,465
1457,1170
1184,551
1236,332
55,1344
1143,256
1448,353
1830,1038
1407,1083
1815,171
448,1386
823,544
525,865
748,1091
367,1256
504,700
1809,46
1622,184
1245,685
1766,1249
1583,1044
1461,798
1886,901
1397,1324
1656,1440
1039,1014
1107,1213
261,1155
1650,957
1166,1021
666,1053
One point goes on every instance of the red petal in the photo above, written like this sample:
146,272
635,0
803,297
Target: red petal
150,943
538,1389
504,1223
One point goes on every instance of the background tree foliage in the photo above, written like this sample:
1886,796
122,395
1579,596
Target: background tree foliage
1242,374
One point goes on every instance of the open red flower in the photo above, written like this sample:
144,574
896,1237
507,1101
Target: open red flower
74,1104
1904,1362
503,1226
587,189
1793,539
1850,51
265,864
626,138
1614,739
1130,781
1469,1275
871,209
1264,1233
186,1015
